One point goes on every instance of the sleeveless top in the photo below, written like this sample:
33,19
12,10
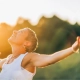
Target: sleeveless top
14,71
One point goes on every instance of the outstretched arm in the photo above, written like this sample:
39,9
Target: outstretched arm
42,60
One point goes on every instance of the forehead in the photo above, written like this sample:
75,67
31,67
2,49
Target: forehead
24,30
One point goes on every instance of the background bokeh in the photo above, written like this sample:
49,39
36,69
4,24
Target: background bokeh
54,33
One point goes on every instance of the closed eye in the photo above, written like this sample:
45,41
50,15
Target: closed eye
20,31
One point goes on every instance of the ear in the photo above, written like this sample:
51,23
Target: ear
27,43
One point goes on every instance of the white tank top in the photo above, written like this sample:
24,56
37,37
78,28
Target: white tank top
14,71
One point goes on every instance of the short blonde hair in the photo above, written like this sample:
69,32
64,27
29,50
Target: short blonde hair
33,39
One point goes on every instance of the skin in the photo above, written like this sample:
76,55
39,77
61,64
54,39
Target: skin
33,59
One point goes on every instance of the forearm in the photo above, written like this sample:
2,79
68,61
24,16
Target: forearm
63,53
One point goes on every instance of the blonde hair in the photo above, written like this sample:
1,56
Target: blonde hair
33,39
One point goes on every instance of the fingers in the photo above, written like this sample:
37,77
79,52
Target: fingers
78,39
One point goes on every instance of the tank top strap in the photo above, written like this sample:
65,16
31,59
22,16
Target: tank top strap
20,58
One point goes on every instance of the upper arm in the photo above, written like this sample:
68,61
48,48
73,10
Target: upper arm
41,60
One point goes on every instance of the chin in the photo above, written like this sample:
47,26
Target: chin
11,41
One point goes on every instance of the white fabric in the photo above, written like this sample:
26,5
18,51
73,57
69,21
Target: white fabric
14,71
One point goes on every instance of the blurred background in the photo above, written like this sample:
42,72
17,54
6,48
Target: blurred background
56,23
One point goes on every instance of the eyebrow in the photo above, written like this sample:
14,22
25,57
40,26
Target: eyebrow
22,31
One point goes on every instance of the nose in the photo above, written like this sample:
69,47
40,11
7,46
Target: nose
15,31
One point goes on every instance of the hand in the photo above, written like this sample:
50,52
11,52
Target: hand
76,45
78,40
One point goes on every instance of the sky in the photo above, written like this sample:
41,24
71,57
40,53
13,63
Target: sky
11,10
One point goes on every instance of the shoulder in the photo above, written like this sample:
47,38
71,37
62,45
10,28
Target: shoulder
31,56
28,58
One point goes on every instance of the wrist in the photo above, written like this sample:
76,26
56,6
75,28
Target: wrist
75,47
73,50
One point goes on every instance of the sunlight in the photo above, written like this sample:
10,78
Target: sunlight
11,10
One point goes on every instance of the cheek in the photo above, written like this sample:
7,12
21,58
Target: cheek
19,40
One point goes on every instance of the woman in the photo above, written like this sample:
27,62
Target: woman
22,63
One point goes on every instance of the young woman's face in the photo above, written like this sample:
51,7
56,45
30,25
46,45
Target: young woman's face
18,37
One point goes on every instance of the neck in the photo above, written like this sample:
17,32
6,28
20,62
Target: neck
17,50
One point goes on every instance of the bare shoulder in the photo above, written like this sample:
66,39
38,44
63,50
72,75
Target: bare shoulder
30,56
35,56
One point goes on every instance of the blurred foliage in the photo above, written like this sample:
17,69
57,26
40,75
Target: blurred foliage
53,35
